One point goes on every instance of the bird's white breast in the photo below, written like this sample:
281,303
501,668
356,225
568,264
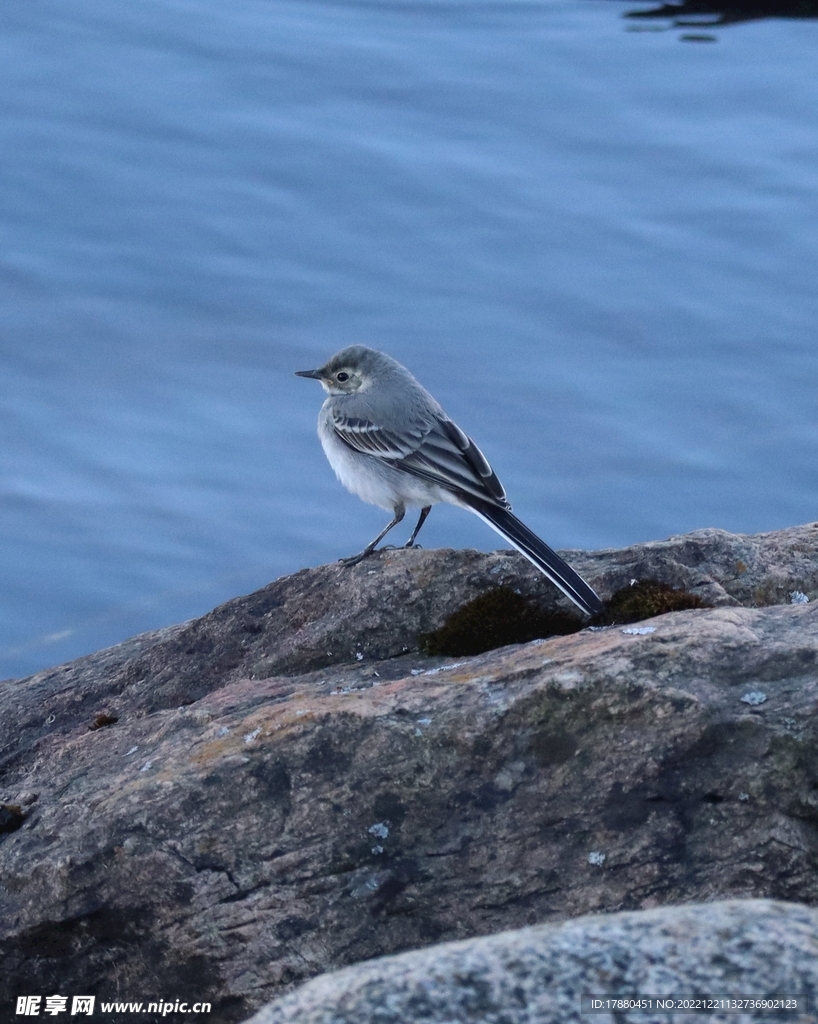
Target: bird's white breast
372,479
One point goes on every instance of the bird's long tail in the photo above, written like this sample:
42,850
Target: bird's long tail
539,554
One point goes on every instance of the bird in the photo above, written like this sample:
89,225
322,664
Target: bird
391,444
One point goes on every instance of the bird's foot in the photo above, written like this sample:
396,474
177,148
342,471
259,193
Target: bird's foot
354,559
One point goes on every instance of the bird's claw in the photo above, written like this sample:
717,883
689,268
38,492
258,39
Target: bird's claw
353,559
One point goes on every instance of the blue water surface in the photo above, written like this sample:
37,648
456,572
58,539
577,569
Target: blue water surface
596,246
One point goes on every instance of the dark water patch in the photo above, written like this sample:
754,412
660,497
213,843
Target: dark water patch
711,13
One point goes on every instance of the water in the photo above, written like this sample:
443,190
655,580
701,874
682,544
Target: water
596,246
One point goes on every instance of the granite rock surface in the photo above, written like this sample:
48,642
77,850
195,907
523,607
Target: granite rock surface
288,785
740,953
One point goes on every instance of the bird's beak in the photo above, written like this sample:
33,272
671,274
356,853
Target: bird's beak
315,374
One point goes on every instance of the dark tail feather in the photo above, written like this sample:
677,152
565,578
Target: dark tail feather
540,554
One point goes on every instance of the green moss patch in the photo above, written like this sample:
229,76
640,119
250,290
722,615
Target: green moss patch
11,817
495,619
644,599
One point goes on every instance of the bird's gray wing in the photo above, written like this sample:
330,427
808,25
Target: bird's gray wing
434,449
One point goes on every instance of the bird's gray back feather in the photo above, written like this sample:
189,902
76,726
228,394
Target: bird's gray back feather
398,421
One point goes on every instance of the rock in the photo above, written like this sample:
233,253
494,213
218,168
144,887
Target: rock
225,808
735,949
723,568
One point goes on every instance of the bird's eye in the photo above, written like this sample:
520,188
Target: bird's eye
342,376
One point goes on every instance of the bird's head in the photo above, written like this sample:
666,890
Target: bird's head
351,370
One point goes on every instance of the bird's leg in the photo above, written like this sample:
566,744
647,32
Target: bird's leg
400,512
423,513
